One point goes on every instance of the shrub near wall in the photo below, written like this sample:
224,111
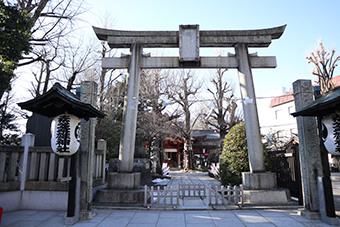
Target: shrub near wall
234,157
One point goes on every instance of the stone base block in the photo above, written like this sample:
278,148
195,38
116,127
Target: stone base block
88,215
259,181
124,181
309,214
107,197
267,197
71,220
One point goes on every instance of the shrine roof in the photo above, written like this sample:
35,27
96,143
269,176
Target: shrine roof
205,134
58,101
327,103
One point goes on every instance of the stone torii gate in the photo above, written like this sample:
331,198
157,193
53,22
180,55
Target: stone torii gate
189,39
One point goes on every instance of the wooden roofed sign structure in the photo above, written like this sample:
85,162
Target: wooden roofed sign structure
57,101
189,39
65,129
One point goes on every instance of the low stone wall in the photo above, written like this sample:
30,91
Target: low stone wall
44,200
10,201
33,200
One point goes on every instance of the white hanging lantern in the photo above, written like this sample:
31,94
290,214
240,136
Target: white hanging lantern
331,133
65,130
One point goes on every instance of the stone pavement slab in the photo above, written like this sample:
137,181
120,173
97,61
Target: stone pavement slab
130,218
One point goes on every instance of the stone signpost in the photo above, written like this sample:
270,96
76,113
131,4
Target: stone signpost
189,39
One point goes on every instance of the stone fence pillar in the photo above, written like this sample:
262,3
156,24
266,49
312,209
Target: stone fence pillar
27,141
309,147
86,152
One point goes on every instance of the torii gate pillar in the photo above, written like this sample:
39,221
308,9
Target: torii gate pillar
126,178
128,134
257,178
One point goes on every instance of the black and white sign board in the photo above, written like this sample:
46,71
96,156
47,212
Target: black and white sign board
331,133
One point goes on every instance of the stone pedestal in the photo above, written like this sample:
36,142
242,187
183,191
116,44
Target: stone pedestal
280,196
258,181
124,181
110,197
261,189
123,190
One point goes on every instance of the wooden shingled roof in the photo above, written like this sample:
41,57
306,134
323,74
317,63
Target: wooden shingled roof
327,103
58,101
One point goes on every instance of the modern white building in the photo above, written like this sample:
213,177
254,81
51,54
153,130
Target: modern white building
274,114
276,123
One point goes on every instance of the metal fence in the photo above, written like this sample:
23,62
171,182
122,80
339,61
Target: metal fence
286,165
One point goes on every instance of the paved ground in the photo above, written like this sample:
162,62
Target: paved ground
140,218
336,192
185,217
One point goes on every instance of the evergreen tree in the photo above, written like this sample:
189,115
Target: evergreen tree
14,40
234,158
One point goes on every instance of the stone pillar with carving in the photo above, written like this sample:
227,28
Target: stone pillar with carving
309,147
86,153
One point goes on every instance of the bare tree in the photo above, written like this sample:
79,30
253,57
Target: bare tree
276,140
50,62
79,59
153,122
324,64
224,114
110,93
109,127
54,23
181,88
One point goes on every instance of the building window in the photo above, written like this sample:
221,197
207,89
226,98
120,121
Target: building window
290,110
277,114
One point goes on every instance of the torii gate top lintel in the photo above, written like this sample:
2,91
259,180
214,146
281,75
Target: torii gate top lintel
213,38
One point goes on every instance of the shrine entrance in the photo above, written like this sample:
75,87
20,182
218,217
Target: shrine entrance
189,39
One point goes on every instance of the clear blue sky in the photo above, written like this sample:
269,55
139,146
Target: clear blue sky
307,21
